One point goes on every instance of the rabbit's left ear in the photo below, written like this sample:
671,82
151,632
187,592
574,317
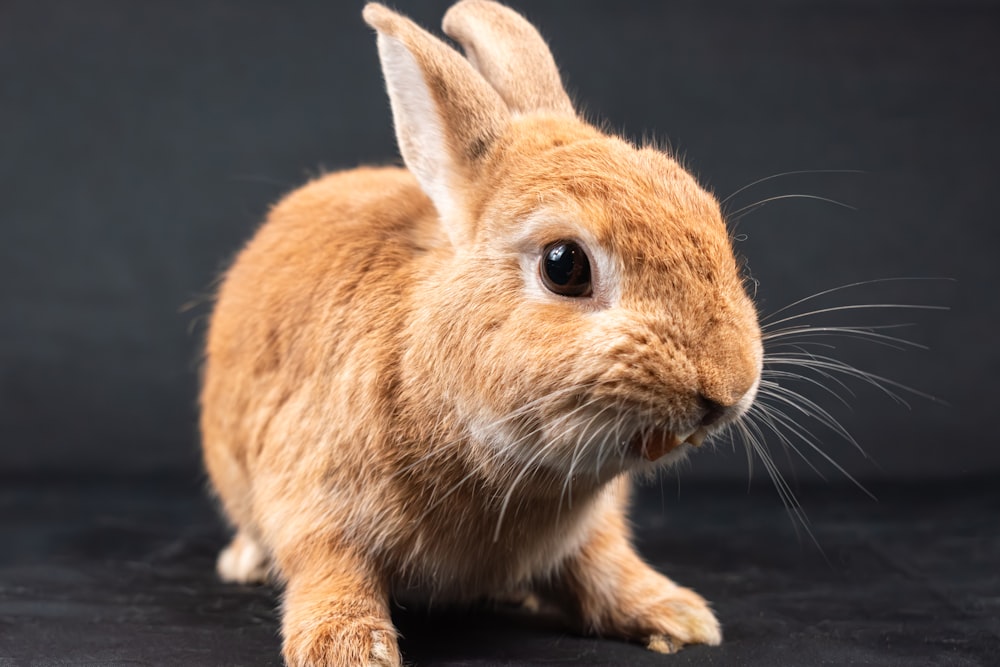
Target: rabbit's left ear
446,116
510,53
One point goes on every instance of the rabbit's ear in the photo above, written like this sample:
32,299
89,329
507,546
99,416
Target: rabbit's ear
447,116
510,54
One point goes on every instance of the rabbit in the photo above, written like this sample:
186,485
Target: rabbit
436,383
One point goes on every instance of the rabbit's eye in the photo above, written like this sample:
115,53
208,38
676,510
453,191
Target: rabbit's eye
565,269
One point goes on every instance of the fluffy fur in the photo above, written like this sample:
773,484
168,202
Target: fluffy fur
395,405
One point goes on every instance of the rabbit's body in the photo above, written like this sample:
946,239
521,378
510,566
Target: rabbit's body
396,403
286,331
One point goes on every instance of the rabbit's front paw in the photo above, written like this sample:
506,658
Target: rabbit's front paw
350,642
683,617
615,594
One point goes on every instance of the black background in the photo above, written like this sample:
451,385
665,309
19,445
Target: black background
142,143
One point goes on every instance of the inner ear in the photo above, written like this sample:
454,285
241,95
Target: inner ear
446,116
419,130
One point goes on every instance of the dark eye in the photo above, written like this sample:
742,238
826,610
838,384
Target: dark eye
565,269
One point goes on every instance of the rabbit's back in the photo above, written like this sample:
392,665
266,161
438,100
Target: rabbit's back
327,273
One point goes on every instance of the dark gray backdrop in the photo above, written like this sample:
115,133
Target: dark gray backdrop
141,143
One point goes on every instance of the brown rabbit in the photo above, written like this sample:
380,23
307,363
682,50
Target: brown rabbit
436,382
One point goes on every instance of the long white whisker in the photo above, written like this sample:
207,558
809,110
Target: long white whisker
860,283
447,449
837,366
741,427
765,414
522,411
528,466
795,353
861,306
789,173
792,505
783,419
788,499
771,373
578,448
510,491
804,405
861,333
750,208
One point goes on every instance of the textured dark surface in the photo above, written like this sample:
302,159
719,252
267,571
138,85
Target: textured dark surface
109,572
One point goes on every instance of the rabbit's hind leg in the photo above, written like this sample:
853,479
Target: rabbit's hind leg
243,561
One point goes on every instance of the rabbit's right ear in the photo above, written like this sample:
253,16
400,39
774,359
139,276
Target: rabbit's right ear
510,54
446,116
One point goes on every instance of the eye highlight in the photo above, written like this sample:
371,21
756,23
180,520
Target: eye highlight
565,269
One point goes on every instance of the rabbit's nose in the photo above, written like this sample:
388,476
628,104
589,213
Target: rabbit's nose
714,411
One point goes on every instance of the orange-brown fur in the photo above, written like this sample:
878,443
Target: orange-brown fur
384,398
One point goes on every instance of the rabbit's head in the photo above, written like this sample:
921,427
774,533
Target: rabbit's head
583,311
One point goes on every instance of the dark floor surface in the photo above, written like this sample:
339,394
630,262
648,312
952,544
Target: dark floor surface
120,572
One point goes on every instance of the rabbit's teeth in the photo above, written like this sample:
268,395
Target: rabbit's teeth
653,445
696,438
657,443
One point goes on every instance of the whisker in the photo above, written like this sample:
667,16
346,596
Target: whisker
789,173
788,498
527,467
579,446
447,448
858,333
750,208
787,422
767,374
522,411
860,306
618,434
819,364
860,283
837,366
765,413
745,434
798,352
805,405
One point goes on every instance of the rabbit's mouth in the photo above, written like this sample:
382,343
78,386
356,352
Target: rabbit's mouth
655,443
